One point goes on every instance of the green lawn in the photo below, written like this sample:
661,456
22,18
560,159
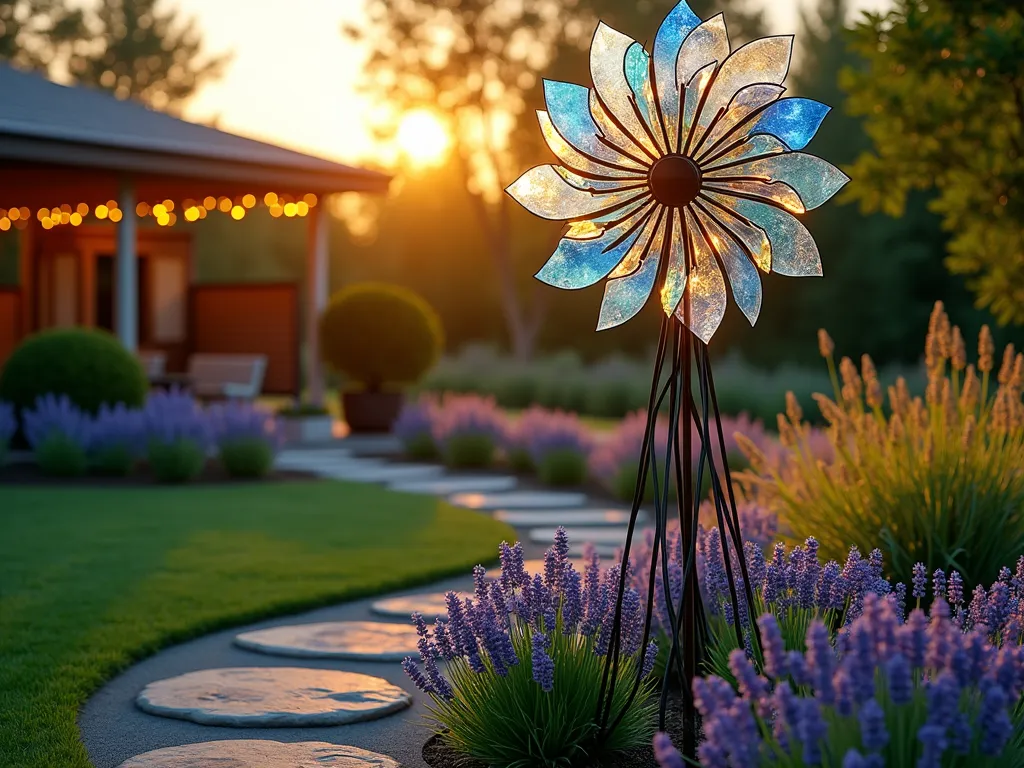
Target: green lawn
92,579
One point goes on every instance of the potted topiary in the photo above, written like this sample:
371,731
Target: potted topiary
382,338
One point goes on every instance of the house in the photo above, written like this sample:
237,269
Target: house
102,191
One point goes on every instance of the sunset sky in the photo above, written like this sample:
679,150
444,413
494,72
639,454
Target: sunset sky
292,80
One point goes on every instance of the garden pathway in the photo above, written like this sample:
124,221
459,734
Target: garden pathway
117,731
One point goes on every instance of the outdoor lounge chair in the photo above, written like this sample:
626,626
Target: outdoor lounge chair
216,376
153,362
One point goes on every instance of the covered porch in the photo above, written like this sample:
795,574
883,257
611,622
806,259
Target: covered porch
102,193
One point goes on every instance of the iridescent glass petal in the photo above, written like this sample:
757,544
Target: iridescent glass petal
643,246
675,273
638,75
692,99
742,274
608,70
769,191
794,120
707,44
581,263
679,24
626,296
569,109
600,186
576,160
755,146
543,192
703,304
814,180
611,132
753,239
731,124
793,250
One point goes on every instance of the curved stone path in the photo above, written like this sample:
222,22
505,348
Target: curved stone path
116,732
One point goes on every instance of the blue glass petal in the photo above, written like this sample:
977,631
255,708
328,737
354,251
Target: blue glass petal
638,75
569,109
742,274
813,179
794,120
581,263
626,296
673,30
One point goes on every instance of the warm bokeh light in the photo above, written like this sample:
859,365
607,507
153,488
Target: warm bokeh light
191,214
309,199
224,205
76,219
237,213
142,209
101,211
115,215
248,201
422,138
82,209
290,209
209,203
270,198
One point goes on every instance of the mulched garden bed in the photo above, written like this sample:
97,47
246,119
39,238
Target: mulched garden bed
437,755
27,473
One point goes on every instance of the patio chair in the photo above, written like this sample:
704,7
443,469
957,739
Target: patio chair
153,362
217,376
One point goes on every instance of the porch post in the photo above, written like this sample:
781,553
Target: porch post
316,299
127,270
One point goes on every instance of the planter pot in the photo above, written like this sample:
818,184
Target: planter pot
371,411
316,428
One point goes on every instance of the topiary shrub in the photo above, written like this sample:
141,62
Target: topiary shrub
380,335
89,366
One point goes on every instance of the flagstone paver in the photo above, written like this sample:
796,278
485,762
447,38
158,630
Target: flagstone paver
520,500
591,517
353,640
449,484
593,535
254,753
431,605
255,697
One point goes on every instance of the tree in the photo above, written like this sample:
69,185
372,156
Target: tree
35,32
137,51
942,96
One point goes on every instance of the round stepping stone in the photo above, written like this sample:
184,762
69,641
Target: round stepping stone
384,473
602,550
263,697
354,640
520,500
530,517
583,535
431,605
252,753
534,567
445,486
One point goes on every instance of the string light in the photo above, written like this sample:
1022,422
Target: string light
302,208
101,211
115,215
290,209
15,214
5,224
224,205
47,224
76,219
276,211
309,199
142,209
248,201
270,199
191,213
82,209
238,213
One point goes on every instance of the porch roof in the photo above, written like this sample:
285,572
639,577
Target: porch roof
66,144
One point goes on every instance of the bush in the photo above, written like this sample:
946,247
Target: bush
117,440
8,426
178,436
563,466
380,335
247,438
553,443
468,430
939,480
59,435
523,676
414,427
89,366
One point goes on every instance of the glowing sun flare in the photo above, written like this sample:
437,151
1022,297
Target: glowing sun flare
422,137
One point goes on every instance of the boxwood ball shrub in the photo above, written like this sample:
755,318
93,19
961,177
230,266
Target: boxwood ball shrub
935,479
523,660
8,426
247,438
89,366
177,434
468,430
380,335
58,433
117,441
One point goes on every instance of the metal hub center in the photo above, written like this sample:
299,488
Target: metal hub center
674,180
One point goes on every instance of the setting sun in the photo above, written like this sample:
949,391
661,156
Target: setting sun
422,137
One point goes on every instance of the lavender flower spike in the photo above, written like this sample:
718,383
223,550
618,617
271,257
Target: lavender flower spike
665,752
543,666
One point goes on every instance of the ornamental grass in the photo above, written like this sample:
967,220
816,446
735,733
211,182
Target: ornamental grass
515,674
936,479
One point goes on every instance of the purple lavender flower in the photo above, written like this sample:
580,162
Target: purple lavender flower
919,581
821,661
933,744
56,416
236,420
898,672
556,558
8,425
955,589
665,753
772,647
811,729
416,675
873,733
998,610
461,415
753,687
939,583
542,433
977,612
118,428
996,727
414,427
650,656
173,416
543,666
572,600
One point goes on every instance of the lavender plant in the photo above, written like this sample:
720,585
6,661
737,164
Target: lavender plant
468,430
58,433
517,438
178,436
936,479
8,426
414,427
247,438
522,664
558,446
919,693
118,440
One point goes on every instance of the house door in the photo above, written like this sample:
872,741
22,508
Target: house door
106,295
